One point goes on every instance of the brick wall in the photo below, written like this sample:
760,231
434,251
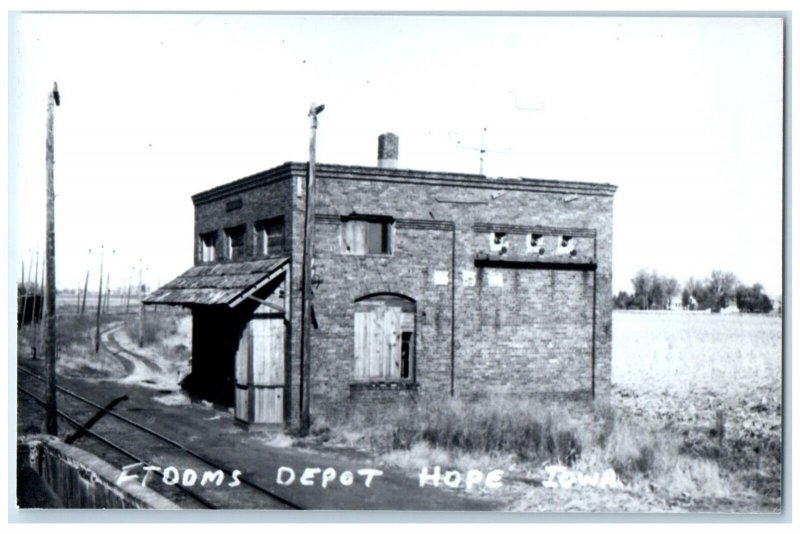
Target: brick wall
532,335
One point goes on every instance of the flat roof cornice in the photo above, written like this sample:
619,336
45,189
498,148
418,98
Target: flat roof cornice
353,172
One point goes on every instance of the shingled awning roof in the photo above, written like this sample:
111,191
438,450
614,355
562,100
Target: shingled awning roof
219,283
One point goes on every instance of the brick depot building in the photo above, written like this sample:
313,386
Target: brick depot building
425,285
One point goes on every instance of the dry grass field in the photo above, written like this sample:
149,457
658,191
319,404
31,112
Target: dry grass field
696,355
712,380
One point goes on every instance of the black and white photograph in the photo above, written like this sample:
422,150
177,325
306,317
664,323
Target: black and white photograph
516,262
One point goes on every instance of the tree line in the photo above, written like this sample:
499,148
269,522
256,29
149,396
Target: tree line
652,291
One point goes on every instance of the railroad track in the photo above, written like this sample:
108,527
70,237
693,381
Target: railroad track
235,490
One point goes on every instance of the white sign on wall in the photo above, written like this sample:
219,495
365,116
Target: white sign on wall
495,279
441,278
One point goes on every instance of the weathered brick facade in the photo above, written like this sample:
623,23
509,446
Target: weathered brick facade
490,319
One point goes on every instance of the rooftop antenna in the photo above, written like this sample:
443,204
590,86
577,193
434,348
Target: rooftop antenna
482,150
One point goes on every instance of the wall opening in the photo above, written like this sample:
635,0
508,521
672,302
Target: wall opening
234,242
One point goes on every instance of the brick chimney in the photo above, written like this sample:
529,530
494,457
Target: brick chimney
388,150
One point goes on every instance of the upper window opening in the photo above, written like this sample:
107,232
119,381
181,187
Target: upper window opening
365,236
208,246
536,243
566,245
270,236
234,242
499,242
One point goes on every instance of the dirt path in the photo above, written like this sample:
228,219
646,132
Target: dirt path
131,361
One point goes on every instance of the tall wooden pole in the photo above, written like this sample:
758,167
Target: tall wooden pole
141,307
51,416
24,295
308,259
40,333
99,305
108,292
35,331
85,290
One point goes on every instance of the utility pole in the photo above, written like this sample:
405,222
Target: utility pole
85,289
99,304
308,268
141,307
27,285
35,333
108,292
22,306
128,299
51,416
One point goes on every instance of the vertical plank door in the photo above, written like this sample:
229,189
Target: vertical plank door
268,369
242,378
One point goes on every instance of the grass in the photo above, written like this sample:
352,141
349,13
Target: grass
714,381
156,327
75,336
694,354
523,438
694,415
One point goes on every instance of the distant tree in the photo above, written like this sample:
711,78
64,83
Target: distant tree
657,298
699,292
752,299
686,299
642,287
721,288
624,301
652,291
671,288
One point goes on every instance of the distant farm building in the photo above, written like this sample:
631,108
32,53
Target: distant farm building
426,285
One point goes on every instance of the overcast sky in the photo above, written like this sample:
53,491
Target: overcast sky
683,114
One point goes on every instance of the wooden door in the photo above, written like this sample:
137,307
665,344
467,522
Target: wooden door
242,379
268,376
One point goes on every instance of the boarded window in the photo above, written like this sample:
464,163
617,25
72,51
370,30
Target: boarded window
270,236
234,242
384,339
366,237
208,246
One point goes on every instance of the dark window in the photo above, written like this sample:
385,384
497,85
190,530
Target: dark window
208,247
234,238
366,237
270,236
405,354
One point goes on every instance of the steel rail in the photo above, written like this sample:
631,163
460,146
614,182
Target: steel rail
172,442
117,448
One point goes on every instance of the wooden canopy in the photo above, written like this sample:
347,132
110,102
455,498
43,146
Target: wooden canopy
226,284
